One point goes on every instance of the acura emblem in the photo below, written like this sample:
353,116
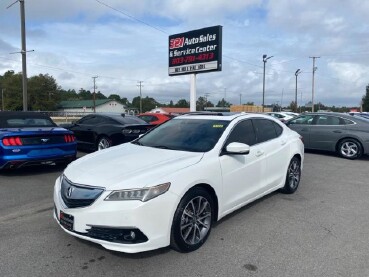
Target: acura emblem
44,139
69,191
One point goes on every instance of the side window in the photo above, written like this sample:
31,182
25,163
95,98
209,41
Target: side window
303,119
278,129
243,132
264,129
93,120
348,122
328,120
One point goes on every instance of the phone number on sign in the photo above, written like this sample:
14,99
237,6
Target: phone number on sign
193,58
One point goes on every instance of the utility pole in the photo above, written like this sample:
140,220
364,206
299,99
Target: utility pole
206,99
225,96
298,71
23,52
282,99
265,59
312,92
2,100
140,86
240,99
94,95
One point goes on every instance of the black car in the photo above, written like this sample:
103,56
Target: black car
99,131
337,132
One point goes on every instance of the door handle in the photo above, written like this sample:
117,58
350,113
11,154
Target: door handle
337,131
259,153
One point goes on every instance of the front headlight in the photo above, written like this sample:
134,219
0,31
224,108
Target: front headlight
144,194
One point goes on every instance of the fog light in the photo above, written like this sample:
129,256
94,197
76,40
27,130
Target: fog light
131,236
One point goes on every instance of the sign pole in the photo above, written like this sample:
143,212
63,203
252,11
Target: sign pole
193,93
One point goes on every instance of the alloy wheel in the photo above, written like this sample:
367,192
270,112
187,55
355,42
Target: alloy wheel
195,220
349,149
294,173
103,144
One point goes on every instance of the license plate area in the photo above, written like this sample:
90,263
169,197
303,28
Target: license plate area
66,220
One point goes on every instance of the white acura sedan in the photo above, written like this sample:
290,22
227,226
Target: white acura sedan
169,186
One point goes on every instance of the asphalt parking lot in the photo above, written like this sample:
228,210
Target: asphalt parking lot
321,230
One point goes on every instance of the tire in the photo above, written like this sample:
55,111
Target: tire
293,176
350,149
192,220
103,143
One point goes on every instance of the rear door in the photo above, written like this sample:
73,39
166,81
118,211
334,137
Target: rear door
275,146
326,132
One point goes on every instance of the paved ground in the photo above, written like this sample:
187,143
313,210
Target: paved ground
321,230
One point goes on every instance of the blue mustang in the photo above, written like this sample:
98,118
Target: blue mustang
32,138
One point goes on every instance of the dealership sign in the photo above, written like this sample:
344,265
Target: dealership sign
197,51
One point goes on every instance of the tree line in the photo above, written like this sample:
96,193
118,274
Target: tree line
44,94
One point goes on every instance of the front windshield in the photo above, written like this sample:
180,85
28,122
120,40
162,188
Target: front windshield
184,134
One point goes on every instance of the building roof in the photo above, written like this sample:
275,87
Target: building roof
83,103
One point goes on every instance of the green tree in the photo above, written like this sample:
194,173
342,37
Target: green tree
115,97
148,103
365,100
182,103
223,103
84,94
11,83
43,93
68,95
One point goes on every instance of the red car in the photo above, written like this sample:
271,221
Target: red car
155,118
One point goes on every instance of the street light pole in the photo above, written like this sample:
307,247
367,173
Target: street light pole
298,71
265,58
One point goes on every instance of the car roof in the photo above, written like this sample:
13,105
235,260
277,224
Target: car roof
10,114
226,116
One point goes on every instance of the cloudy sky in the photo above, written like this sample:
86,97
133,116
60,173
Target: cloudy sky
125,41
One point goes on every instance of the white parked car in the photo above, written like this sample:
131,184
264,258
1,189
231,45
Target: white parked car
170,185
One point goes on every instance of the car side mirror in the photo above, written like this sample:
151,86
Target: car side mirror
237,148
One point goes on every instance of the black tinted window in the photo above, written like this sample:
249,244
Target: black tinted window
278,129
93,120
243,132
264,129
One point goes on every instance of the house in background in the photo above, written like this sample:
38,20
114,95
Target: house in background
87,106
167,110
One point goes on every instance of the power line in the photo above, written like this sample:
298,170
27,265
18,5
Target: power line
131,16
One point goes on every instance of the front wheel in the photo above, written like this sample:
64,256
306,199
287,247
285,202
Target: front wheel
350,149
293,176
103,143
192,220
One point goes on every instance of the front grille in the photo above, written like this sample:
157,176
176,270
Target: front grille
77,196
117,235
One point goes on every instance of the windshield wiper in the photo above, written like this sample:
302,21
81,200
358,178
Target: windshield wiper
137,143
162,147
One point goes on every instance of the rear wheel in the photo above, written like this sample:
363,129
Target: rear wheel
103,143
350,149
192,220
293,176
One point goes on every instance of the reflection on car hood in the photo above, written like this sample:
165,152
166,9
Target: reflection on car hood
129,166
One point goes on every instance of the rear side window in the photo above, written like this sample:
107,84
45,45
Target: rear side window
278,129
243,132
265,129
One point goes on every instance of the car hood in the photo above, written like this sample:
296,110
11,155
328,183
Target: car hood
129,166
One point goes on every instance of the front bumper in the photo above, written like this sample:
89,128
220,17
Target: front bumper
152,219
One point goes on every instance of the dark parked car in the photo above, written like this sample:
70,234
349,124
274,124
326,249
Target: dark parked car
31,138
342,133
100,131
